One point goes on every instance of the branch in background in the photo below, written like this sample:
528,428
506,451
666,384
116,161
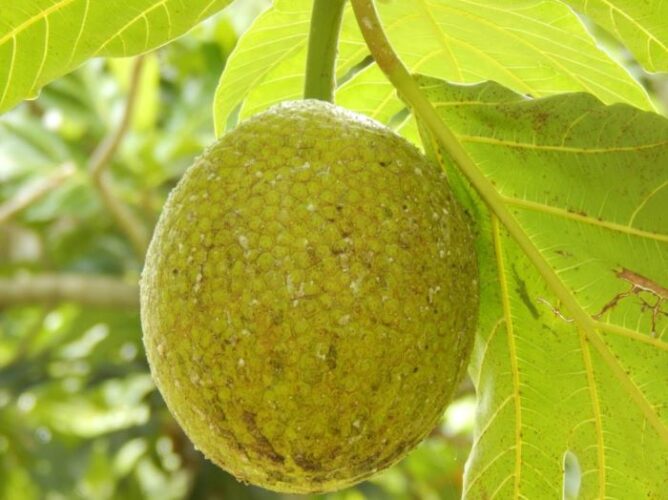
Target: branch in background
100,291
99,163
34,191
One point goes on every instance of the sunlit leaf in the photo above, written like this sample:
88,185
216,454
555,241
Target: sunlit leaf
43,39
642,26
16,483
127,457
536,47
588,185
276,36
97,482
116,405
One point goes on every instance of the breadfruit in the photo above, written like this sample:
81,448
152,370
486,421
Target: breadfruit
309,298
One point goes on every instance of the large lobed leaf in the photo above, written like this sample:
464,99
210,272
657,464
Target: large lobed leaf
41,40
537,47
641,26
588,183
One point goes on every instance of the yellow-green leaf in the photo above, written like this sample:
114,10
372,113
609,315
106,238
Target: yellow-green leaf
43,39
536,47
588,184
641,26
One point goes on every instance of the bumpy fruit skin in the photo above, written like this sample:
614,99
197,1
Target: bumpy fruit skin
309,298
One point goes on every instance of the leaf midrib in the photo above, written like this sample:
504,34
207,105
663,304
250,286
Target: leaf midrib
512,351
32,20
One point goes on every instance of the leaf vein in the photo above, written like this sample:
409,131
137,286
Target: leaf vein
631,334
645,200
84,19
119,33
596,410
10,71
512,351
37,17
560,212
45,51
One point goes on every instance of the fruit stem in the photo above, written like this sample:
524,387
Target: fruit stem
322,47
408,89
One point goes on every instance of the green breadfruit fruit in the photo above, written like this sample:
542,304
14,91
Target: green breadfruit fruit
309,298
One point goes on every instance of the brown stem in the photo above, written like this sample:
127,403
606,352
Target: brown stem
100,291
101,159
34,191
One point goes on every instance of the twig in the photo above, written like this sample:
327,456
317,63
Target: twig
31,332
34,191
100,291
99,163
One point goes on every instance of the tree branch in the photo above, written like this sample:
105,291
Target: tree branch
100,291
99,163
34,191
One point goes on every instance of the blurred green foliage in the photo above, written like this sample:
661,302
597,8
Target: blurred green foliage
79,414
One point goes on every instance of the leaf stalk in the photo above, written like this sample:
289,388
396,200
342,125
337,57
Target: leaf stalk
322,49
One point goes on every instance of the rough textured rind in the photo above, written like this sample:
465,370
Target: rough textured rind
309,298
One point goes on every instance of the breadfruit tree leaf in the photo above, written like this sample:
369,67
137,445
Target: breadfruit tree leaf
588,184
268,64
536,47
641,26
41,40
